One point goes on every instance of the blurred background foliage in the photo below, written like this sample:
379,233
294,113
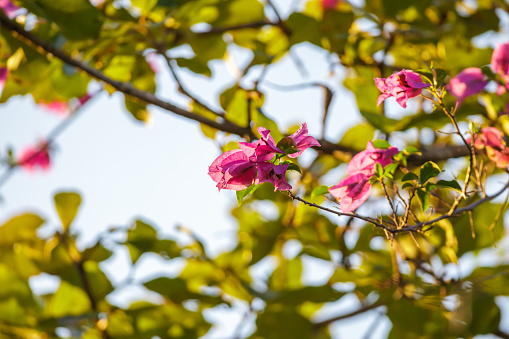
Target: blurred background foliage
412,278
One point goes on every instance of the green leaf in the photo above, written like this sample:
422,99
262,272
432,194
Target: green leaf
428,170
319,190
379,171
452,184
292,166
68,300
423,199
287,143
67,205
176,290
382,144
410,177
20,228
440,75
407,184
242,194
390,169
411,150
427,74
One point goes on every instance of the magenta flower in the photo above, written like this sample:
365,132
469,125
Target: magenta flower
35,157
500,64
491,139
402,85
329,4
354,190
468,82
3,76
364,162
275,174
9,8
233,170
302,140
351,192
57,107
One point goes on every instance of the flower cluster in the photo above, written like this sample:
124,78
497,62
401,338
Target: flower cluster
471,81
354,190
491,140
402,85
254,162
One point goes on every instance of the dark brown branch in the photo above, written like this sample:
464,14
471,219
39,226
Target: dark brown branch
126,88
348,315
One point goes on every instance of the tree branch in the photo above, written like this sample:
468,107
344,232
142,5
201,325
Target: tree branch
348,315
20,33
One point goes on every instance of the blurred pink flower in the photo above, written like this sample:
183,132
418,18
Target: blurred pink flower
351,192
152,61
275,174
9,8
354,190
468,82
364,162
329,4
57,107
3,76
402,85
302,140
491,139
35,157
500,64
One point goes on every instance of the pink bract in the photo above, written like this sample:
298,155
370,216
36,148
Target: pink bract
402,85
364,162
491,139
351,192
468,82
329,4
302,140
9,8
233,170
275,174
57,107
35,157
3,76
500,64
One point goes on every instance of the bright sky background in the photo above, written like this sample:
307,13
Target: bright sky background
126,170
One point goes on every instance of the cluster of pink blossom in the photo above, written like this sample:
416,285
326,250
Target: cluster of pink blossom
491,140
354,190
471,81
402,85
252,163
3,76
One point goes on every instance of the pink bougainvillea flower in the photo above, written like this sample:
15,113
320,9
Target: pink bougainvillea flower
402,85
3,76
364,162
275,174
57,107
261,150
35,157
351,192
152,61
9,8
233,170
329,4
468,82
302,140
354,190
491,139
500,64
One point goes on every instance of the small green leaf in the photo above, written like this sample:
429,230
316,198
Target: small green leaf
426,73
379,170
407,184
411,150
242,194
452,184
409,177
382,144
286,143
440,75
390,169
429,170
319,190
67,205
423,199
293,167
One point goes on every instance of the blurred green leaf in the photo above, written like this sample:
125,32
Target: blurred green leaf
67,205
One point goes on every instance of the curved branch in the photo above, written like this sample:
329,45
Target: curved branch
126,88
348,315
